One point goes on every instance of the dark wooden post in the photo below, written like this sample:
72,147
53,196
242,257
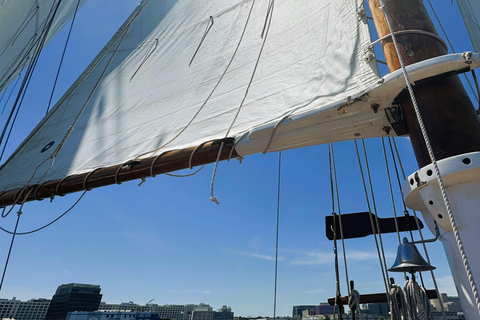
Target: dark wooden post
448,114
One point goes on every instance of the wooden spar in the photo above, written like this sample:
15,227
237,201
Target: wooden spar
374,298
170,161
449,116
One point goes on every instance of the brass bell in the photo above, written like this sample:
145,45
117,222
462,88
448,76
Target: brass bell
409,259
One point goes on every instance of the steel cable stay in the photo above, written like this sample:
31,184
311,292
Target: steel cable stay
376,232
353,295
27,78
335,251
63,55
276,235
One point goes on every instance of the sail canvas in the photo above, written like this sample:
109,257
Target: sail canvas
203,71
22,26
470,10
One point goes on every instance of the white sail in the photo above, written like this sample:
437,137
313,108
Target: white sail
176,81
21,27
470,10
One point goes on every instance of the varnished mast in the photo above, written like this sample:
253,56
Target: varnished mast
453,128
449,116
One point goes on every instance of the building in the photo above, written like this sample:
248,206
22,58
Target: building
98,315
124,306
224,313
297,311
171,311
34,309
73,297
203,312
312,312
379,309
451,304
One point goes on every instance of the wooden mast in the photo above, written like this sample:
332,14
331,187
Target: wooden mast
449,116
453,128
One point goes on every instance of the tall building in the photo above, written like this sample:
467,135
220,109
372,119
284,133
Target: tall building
73,297
34,309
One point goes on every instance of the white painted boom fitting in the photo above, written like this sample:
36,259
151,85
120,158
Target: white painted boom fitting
461,176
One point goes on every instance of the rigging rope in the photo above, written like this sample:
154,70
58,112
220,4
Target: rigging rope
376,230
19,213
340,218
334,230
269,17
28,77
63,55
417,301
391,190
10,94
211,93
9,251
451,47
276,237
434,163
48,224
416,222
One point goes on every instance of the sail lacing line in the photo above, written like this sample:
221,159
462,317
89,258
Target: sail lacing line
435,165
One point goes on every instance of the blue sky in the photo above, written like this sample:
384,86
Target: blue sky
166,241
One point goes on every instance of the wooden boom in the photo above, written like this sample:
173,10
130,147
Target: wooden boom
132,170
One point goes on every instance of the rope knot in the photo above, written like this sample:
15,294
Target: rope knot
214,199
